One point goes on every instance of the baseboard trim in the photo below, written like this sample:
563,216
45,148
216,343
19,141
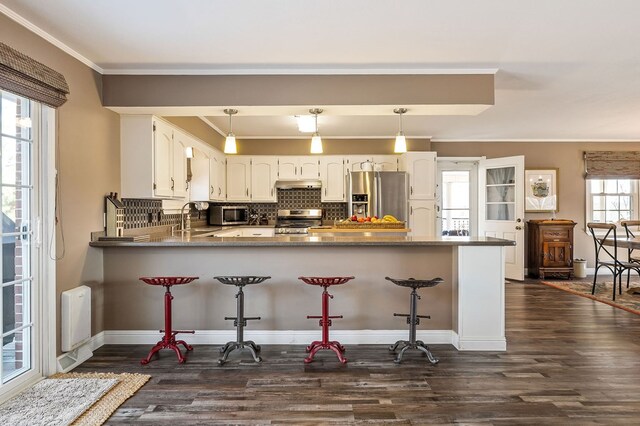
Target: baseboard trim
275,337
482,345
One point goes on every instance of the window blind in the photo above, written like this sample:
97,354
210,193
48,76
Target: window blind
612,164
27,77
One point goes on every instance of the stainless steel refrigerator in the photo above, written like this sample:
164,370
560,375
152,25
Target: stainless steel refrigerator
378,194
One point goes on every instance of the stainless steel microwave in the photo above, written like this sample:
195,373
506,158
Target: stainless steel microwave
228,215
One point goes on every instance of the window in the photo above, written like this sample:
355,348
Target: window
456,204
612,200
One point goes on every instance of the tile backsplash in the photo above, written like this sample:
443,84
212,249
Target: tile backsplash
148,213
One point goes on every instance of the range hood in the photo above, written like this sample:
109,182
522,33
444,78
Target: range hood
298,184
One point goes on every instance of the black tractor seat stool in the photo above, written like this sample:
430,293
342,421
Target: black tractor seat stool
240,321
413,319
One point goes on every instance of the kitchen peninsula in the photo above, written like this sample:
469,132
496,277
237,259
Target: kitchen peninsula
467,310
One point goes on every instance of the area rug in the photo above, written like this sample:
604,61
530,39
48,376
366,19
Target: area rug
79,399
128,384
629,300
54,401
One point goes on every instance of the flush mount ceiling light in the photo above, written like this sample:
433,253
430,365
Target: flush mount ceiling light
316,140
401,141
230,142
306,123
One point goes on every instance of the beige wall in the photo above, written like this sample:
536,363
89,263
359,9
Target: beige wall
89,163
565,156
199,129
330,146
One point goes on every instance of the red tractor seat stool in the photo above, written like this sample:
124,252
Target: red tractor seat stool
240,321
169,339
413,319
325,318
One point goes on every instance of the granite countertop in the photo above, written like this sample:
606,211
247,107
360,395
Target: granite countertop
189,240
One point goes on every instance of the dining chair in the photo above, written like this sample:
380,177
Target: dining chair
610,261
628,225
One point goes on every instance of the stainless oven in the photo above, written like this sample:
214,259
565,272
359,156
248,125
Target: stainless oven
228,215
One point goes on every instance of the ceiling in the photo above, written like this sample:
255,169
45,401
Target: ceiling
567,70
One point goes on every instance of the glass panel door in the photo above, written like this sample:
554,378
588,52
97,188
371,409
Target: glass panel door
501,193
16,187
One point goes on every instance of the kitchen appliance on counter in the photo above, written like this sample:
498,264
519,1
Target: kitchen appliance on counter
228,215
378,194
297,221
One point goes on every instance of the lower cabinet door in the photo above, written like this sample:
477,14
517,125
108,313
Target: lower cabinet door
556,254
422,218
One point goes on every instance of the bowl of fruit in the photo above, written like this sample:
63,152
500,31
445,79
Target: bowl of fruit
386,222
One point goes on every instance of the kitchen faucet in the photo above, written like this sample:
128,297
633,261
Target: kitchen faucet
199,205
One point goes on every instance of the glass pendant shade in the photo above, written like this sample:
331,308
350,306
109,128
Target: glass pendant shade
316,144
230,144
401,144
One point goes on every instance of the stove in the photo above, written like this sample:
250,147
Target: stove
297,221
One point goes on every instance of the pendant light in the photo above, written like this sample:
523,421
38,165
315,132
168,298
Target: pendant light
316,140
401,141
230,142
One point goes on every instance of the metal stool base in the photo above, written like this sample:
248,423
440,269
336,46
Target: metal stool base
170,343
232,346
405,345
316,346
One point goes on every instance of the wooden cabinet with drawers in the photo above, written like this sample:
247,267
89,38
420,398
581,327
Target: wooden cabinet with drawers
550,247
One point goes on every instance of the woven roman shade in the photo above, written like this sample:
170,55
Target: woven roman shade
612,164
27,77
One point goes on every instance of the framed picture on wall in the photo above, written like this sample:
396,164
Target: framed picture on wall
541,190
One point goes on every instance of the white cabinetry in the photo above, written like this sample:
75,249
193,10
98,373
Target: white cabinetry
298,167
353,163
421,167
238,178
332,178
422,218
218,176
385,163
264,173
152,158
208,175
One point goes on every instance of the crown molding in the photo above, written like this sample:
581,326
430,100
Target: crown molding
48,37
299,71
516,140
308,136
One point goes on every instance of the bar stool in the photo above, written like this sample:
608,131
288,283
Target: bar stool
169,339
240,321
325,318
413,319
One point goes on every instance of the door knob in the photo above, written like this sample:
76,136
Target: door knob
518,228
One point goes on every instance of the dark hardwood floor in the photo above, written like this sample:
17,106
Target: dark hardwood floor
570,360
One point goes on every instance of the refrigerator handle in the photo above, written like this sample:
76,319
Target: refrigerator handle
378,195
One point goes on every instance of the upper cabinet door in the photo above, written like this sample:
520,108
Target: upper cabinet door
217,177
287,168
162,162
180,143
385,163
309,167
201,175
332,177
421,167
238,178
354,163
264,172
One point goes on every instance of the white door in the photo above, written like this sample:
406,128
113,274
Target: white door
332,178
162,164
238,178
422,218
264,172
501,207
287,168
309,167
